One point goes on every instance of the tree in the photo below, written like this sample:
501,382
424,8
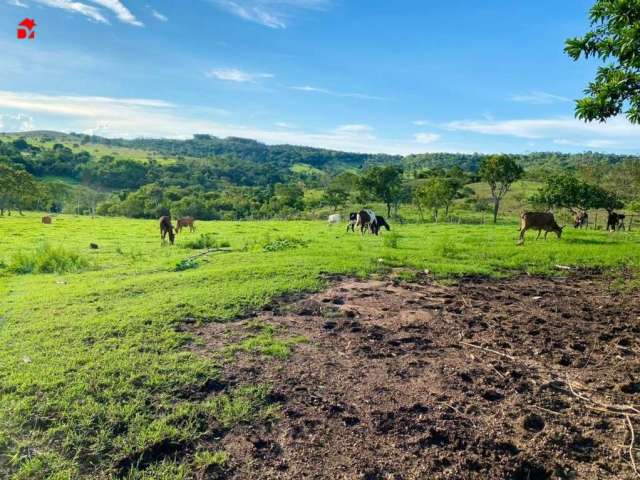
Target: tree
335,197
567,191
614,38
499,171
436,193
384,183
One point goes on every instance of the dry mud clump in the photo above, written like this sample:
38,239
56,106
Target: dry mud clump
418,380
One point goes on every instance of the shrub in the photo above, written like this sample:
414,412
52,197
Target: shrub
282,243
47,259
205,240
186,265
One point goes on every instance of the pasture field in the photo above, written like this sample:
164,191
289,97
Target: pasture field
99,377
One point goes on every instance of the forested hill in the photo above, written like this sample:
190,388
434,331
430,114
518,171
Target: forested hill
204,146
285,156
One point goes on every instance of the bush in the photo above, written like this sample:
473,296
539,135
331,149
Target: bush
205,240
186,265
47,259
282,243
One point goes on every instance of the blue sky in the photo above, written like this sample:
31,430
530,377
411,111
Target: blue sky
401,76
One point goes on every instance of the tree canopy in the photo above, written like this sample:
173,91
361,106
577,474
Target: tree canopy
614,38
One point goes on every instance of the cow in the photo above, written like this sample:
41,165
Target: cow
333,219
538,221
365,219
379,222
185,222
166,228
615,221
581,219
46,220
353,219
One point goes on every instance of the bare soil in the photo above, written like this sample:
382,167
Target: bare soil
425,381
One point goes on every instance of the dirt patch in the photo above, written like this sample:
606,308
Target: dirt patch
418,380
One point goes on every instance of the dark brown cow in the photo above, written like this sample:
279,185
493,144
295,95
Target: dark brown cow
46,220
615,221
581,219
185,222
538,221
166,228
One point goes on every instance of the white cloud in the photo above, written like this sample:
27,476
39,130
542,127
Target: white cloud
235,75
285,125
159,16
310,89
538,98
354,128
122,12
140,117
426,138
420,123
16,123
270,13
617,132
90,11
17,3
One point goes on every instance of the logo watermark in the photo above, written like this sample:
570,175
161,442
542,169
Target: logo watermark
26,29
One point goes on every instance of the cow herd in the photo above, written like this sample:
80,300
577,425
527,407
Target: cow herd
168,230
365,219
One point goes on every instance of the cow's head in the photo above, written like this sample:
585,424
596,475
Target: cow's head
558,230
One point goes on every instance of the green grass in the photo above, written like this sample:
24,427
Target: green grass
95,378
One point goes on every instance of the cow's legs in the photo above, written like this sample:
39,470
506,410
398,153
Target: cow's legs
523,230
539,233
545,234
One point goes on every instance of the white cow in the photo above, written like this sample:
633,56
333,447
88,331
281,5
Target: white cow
335,218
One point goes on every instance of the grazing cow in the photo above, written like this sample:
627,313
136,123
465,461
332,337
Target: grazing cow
93,246
538,221
581,219
185,222
335,218
364,220
615,221
166,228
379,222
46,220
353,219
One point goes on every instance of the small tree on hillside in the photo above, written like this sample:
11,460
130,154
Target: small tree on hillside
613,38
435,194
499,171
384,183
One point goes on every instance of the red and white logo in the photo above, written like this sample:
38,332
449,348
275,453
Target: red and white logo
26,29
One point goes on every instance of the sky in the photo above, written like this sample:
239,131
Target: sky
378,76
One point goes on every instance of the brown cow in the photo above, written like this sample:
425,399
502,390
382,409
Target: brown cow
538,221
166,228
185,222
46,220
581,219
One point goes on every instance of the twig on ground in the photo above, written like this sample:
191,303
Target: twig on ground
631,443
488,350
553,412
611,408
211,250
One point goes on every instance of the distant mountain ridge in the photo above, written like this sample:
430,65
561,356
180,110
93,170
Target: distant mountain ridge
205,146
